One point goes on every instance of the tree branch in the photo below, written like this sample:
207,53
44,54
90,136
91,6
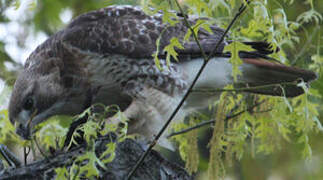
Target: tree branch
11,159
155,167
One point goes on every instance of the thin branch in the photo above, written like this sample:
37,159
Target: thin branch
188,25
241,10
26,153
191,128
11,159
39,149
244,89
206,60
213,120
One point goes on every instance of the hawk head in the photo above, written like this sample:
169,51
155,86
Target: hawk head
31,99
40,92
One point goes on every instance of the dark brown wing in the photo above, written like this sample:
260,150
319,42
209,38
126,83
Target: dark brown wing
129,31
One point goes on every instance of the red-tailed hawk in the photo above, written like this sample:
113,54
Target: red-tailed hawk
106,56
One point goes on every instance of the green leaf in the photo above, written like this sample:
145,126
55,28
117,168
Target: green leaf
156,53
52,134
32,5
234,48
187,35
170,49
75,172
317,63
90,168
90,129
309,16
188,144
110,152
260,11
7,130
61,173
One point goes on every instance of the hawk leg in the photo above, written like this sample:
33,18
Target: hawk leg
148,112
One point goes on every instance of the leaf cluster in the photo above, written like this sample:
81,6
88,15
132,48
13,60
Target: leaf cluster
88,164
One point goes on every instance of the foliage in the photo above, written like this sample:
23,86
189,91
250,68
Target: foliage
188,147
279,126
86,165
52,136
288,119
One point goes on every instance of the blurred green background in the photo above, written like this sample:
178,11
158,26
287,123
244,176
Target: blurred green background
25,24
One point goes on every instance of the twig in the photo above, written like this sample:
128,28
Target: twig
244,89
188,25
206,60
192,128
205,122
26,153
213,120
39,149
11,159
241,10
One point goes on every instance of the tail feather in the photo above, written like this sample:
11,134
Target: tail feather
256,72
258,76
260,72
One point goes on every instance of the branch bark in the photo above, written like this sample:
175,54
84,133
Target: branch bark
127,152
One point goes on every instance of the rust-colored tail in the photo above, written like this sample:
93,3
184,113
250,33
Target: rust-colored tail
261,72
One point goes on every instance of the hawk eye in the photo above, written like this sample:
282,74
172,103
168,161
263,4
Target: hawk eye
28,104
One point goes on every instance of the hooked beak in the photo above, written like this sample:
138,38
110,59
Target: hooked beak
23,131
24,127
26,121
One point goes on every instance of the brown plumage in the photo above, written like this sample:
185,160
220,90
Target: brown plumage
106,56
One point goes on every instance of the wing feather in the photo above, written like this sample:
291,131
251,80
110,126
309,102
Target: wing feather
129,31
